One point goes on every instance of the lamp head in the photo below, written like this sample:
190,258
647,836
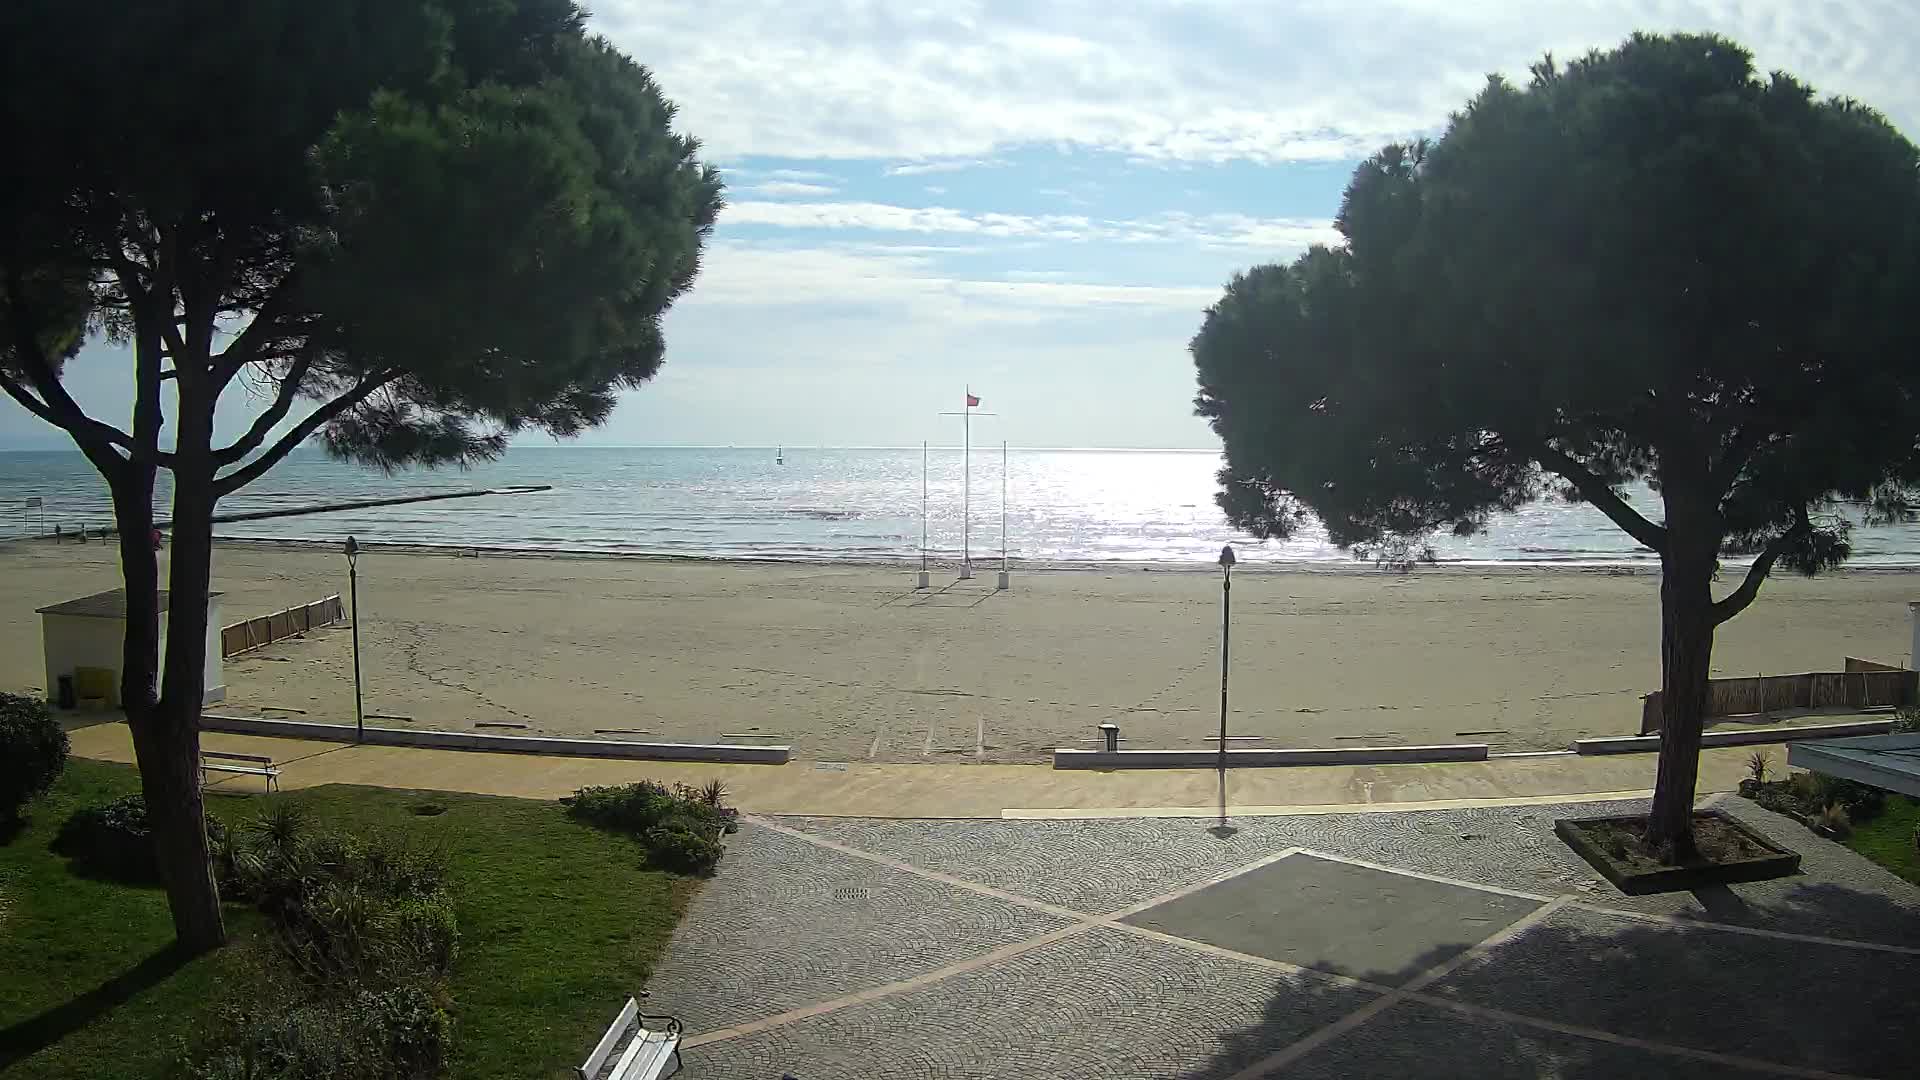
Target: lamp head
1226,557
353,550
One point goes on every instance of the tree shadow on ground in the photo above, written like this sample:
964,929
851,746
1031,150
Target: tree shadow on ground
1798,1003
36,1033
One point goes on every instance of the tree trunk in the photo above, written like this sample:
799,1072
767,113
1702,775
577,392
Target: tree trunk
181,834
1686,659
166,744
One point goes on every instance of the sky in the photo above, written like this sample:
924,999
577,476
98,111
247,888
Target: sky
1039,200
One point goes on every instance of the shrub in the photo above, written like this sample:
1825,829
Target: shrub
683,849
113,840
679,828
33,751
1906,718
1757,764
353,912
396,1034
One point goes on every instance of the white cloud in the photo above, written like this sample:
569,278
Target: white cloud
1287,235
778,188
1176,80
935,189
921,168
908,282
803,175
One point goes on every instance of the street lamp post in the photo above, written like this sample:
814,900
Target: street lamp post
1226,632
353,594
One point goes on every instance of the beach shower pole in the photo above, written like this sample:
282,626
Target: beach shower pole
923,580
1226,632
353,594
1002,584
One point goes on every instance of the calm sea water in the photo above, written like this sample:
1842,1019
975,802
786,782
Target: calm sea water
1061,506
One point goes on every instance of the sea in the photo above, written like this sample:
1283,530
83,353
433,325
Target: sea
1045,506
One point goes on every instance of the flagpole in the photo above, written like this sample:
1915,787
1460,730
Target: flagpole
922,581
966,488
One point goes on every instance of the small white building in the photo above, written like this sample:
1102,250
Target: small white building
91,632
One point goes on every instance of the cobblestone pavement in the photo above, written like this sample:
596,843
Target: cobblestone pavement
1418,944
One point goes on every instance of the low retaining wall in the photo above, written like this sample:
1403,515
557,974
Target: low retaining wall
1065,758
512,744
1637,744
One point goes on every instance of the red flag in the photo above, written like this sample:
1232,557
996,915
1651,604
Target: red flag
972,401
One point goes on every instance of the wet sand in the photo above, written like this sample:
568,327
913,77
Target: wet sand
849,663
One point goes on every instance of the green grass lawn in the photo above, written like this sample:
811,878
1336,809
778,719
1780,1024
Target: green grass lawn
558,924
1888,839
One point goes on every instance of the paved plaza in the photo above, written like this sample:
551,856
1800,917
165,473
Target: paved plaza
1446,943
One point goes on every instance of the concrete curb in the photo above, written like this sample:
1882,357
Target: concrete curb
512,744
1639,744
1065,758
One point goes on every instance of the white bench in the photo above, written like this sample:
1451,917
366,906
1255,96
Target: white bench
249,764
645,1054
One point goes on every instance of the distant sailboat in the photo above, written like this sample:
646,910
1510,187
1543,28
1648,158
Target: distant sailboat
780,455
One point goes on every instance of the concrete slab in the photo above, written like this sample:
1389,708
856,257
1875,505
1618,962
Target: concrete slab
1646,744
1805,1004
1334,916
1413,1041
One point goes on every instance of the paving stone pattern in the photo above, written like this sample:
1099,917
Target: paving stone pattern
1816,1006
1416,1040
1101,1005
789,925
786,923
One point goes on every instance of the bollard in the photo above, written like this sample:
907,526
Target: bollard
1110,734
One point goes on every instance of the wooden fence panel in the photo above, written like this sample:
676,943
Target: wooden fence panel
266,629
1865,687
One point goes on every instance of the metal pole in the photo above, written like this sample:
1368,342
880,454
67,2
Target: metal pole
923,506
966,488
1226,638
1003,506
353,592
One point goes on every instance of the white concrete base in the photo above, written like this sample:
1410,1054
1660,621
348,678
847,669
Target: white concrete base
922,580
1005,582
513,744
966,573
1065,758
1642,744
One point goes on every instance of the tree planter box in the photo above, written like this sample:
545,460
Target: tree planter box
1636,879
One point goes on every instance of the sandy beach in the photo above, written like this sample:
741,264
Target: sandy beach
848,663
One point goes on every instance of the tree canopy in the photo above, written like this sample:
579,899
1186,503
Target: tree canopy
413,227
1650,264
443,220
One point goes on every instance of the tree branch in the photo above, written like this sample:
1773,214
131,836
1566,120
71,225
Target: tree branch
27,401
252,343
1739,451
1736,601
239,478
264,424
95,439
1600,494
